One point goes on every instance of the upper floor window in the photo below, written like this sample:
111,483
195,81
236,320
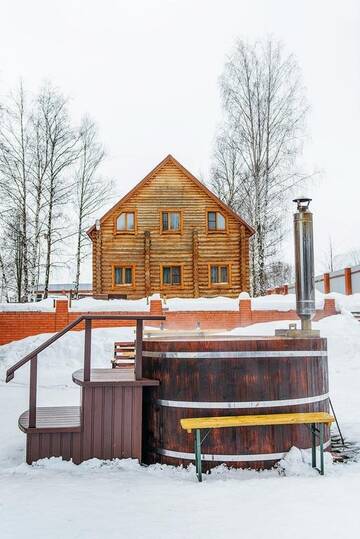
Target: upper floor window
170,221
215,221
171,275
126,222
123,275
219,274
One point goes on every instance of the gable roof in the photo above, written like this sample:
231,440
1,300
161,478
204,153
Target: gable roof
170,159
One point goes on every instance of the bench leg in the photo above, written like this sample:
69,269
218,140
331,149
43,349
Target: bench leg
313,446
198,454
322,449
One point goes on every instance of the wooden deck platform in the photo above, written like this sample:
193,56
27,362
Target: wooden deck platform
53,419
107,425
112,377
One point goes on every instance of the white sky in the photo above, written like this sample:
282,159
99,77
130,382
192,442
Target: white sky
147,72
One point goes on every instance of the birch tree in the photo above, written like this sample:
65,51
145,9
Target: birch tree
40,146
47,168
257,148
15,162
91,190
63,151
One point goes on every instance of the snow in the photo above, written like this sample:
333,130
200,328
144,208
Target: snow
101,305
277,302
218,303
280,302
56,499
45,305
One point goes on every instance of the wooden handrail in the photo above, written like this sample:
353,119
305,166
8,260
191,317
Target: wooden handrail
33,356
10,372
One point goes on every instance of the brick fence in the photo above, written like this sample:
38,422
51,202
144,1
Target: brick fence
18,325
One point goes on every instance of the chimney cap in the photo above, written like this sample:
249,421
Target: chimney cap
302,202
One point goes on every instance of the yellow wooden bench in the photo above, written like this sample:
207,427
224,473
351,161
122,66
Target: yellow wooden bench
316,420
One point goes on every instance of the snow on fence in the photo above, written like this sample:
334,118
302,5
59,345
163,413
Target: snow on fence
222,314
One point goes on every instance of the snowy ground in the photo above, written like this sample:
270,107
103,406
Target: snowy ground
55,499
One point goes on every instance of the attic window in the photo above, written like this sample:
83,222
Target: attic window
170,221
215,221
126,222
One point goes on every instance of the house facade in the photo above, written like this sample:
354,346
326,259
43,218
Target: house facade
170,235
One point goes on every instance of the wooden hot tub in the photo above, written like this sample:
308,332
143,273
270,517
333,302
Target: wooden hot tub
212,376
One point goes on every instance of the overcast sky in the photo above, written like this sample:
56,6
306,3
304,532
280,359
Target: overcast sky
147,72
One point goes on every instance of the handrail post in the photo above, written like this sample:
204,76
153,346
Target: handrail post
32,393
138,349
87,350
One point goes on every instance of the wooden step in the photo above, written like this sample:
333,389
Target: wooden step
53,419
112,377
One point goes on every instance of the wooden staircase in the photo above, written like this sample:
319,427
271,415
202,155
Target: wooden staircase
108,422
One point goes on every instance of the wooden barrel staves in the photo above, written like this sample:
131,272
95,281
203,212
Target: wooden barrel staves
237,376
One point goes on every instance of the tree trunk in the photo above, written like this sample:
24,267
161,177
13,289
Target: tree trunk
78,257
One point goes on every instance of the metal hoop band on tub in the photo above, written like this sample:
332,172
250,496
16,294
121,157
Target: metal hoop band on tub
236,354
226,458
242,404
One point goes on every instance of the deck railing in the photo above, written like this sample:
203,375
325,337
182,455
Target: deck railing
33,356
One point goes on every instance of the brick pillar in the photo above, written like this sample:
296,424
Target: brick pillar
348,283
329,307
61,314
326,283
245,312
156,308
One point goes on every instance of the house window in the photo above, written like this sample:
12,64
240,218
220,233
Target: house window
171,275
170,221
123,275
219,274
215,221
126,222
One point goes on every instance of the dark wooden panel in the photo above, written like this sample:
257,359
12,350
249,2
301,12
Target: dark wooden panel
87,422
98,395
117,449
116,421
56,445
127,421
136,431
108,422
76,447
44,445
66,445
33,446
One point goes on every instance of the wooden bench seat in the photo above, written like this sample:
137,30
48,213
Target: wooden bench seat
316,420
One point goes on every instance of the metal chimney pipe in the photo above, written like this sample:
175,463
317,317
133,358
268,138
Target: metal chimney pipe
304,262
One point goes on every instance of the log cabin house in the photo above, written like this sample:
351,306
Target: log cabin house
170,235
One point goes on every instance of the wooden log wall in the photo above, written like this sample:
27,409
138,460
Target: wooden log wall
194,248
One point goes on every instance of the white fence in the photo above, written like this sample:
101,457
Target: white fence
344,281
